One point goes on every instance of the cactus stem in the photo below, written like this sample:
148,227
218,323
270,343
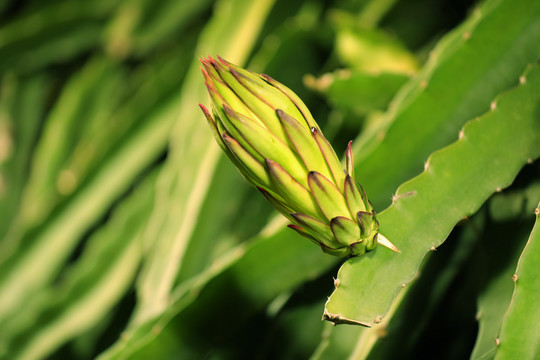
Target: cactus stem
382,240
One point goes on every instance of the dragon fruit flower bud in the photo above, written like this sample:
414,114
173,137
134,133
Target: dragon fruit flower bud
271,137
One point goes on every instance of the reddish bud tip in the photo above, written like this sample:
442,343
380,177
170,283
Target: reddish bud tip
204,109
208,116
209,87
223,61
205,74
297,228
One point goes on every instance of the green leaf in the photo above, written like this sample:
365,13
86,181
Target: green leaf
58,31
139,27
19,126
252,276
91,288
455,183
28,270
231,33
85,99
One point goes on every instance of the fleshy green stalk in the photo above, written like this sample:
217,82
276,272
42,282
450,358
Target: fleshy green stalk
271,137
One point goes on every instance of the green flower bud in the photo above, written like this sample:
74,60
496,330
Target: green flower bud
271,137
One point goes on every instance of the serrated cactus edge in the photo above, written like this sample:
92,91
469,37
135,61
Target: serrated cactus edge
420,218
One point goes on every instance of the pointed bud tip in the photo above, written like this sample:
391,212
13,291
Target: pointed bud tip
237,75
227,137
206,66
271,165
314,175
208,115
223,61
349,162
206,112
210,87
268,78
229,111
284,117
206,75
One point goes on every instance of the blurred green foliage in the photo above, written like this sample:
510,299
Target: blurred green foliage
124,233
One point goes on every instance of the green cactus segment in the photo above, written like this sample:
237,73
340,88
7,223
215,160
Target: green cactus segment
420,218
518,338
458,82
510,216
339,342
